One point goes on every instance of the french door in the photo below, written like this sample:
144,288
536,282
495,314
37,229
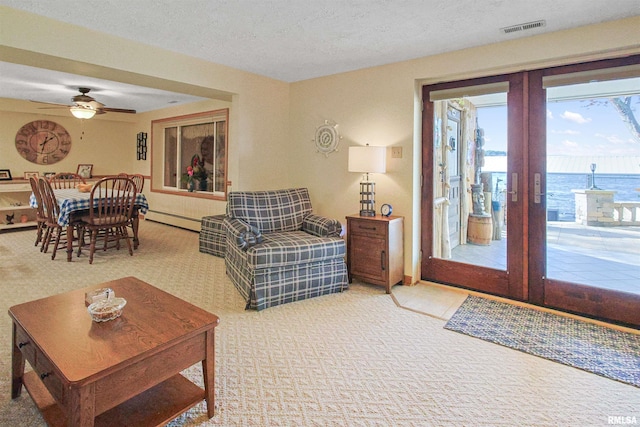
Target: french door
585,150
523,180
455,145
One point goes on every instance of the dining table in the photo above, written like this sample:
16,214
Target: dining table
74,203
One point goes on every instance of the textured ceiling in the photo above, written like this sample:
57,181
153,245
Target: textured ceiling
30,83
294,40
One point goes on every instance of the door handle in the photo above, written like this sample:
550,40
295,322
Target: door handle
514,187
537,188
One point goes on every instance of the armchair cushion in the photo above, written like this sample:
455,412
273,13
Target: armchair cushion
275,210
293,248
321,226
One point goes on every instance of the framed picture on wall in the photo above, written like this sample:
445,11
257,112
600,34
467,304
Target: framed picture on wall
5,175
85,170
28,175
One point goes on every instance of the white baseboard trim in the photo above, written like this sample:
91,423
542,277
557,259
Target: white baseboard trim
173,219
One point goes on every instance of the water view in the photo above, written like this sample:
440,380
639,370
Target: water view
561,200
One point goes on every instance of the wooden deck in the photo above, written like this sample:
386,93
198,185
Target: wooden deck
605,257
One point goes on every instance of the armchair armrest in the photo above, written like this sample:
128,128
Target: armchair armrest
321,226
243,234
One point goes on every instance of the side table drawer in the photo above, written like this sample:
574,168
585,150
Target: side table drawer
40,364
44,369
368,227
26,346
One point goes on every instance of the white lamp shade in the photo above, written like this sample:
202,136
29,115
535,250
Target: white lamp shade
82,113
368,159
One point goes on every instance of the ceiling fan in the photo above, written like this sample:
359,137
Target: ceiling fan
85,106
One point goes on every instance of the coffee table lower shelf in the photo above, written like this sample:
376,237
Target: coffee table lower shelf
154,407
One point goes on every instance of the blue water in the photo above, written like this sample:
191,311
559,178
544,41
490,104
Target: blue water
559,186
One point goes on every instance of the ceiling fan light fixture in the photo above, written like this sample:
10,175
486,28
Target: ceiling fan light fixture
82,113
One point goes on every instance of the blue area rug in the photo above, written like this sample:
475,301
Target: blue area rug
593,348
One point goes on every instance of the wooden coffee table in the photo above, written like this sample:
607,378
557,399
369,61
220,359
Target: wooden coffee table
122,372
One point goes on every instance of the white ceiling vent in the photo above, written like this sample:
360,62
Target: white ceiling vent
524,27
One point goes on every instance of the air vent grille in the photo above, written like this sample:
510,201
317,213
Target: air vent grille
523,27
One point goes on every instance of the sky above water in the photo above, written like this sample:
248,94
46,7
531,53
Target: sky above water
574,128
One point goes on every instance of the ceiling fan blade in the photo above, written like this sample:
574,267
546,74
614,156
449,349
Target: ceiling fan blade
50,103
93,104
118,110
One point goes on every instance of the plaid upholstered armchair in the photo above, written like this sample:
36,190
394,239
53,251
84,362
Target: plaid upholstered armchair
278,251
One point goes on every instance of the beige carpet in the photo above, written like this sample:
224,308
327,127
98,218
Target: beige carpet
350,359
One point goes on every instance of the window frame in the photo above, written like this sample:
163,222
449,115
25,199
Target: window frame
159,162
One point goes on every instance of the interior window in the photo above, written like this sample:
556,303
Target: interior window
193,151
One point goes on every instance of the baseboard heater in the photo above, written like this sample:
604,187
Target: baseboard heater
173,219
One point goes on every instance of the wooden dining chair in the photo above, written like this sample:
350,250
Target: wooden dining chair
41,218
65,180
138,180
54,231
110,210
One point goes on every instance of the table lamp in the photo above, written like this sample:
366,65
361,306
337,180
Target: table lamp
367,160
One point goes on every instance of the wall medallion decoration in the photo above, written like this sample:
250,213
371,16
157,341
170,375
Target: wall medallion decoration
327,138
43,142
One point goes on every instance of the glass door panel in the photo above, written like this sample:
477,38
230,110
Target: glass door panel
584,189
470,172
469,144
593,184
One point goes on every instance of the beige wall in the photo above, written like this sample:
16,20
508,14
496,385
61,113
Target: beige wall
258,123
380,106
272,124
110,146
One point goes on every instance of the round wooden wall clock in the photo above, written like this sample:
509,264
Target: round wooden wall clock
43,142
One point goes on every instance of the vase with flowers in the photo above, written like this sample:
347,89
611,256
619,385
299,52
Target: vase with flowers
195,172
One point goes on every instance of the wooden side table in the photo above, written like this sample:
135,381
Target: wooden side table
375,252
122,372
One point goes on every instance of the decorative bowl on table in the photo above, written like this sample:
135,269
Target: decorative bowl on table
98,295
106,309
84,188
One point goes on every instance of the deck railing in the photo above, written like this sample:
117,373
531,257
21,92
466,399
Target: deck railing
626,213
